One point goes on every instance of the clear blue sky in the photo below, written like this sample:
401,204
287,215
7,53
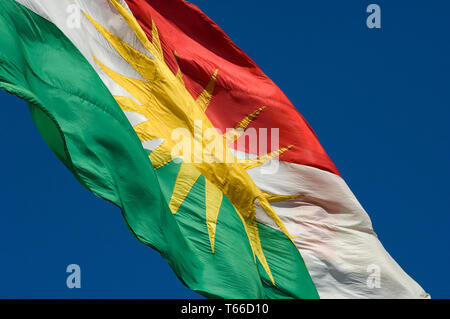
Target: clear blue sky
378,100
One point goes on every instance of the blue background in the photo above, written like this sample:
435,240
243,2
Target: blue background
378,100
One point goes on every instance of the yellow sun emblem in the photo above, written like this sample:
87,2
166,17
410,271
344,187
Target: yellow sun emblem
167,105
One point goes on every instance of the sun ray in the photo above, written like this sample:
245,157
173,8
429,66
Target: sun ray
129,105
250,118
156,41
252,230
144,131
179,74
261,160
153,47
187,177
213,201
274,198
144,65
159,159
239,130
132,86
272,214
204,99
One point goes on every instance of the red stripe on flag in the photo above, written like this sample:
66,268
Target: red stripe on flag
241,86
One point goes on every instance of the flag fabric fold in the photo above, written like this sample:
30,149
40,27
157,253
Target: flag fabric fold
113,86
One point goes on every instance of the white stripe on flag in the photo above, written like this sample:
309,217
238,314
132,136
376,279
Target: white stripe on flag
334,235
63,13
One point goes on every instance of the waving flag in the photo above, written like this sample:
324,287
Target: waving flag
150,105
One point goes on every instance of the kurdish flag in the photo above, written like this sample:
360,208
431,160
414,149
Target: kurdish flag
149,104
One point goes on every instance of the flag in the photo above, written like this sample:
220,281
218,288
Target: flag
153,108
